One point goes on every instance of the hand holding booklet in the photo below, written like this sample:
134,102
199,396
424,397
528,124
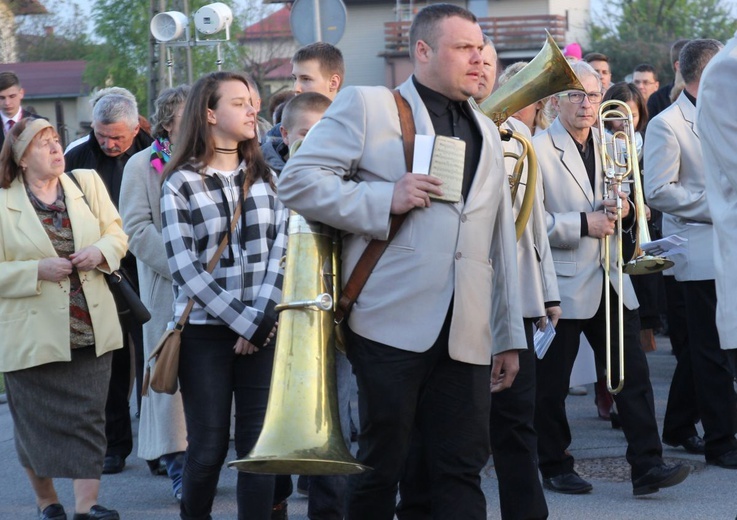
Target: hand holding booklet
442,157
543,339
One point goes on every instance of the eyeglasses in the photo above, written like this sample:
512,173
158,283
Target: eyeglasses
645,82
576,97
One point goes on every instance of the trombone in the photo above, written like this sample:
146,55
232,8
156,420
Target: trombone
619,160
616,167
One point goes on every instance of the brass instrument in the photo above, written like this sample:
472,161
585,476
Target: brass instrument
615,171
301,432
619,161
547,74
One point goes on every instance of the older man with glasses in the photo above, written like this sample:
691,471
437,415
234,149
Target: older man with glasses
579,219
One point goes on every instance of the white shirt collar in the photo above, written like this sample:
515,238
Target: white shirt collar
16,118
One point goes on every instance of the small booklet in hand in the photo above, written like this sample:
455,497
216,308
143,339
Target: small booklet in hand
543,339
442,157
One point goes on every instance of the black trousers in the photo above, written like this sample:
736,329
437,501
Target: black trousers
445,401
712,375
635,402
682,410
514,441
117,409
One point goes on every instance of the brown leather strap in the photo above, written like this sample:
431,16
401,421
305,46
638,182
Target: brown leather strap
376,248
218,253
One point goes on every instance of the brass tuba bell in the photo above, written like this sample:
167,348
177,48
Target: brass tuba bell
301,432
547,74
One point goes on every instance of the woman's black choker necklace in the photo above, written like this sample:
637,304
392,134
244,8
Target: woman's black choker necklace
229,151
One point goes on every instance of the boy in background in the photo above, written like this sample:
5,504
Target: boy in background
318,67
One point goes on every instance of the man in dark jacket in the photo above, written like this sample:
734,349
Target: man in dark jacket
115,137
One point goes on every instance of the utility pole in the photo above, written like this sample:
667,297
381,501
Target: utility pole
156,60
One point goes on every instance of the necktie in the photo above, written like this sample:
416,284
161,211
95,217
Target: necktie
10,124
455,115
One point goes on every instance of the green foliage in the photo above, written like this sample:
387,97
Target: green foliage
121,59
65,38
631,32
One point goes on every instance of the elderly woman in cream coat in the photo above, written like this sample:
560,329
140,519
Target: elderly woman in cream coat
162,432
58,320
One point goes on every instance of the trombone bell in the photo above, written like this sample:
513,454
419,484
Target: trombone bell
301,433
647,264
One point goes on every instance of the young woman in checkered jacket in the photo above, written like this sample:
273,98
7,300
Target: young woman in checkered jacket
228,343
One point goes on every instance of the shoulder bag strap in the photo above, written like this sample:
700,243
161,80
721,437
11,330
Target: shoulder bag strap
376,248
219,252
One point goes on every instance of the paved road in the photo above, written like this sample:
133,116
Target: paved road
710,493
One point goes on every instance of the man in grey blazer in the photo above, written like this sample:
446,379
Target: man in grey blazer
579,219
675,184
444,296
716,120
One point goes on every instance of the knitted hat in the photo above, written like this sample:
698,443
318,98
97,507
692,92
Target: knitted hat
572,50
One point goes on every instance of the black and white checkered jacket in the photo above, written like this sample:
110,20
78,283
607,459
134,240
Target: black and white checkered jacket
196,211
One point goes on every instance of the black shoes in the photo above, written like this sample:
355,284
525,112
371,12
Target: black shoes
97,512
113,464
567,483
157,467
694,444
659,477
725,460
52,512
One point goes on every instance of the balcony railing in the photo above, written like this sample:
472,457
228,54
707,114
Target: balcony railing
507,33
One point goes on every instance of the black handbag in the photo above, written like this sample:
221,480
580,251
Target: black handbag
126,296
124,292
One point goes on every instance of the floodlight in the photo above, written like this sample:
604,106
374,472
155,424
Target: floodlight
213,18
169,26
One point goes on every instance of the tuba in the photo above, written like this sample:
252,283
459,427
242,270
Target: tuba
301,432
547,74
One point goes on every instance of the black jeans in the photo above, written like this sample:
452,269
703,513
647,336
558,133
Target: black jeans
514,441
445,401
635,402
118,430
712,374
210,374
682,410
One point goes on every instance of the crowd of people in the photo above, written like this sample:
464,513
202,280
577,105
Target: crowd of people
440,339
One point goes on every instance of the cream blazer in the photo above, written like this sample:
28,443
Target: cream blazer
579,261
716,120
344,174
34,314
674,184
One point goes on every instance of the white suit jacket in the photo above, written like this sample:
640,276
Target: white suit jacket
716,120
674,184
537,279
579,261
344,174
